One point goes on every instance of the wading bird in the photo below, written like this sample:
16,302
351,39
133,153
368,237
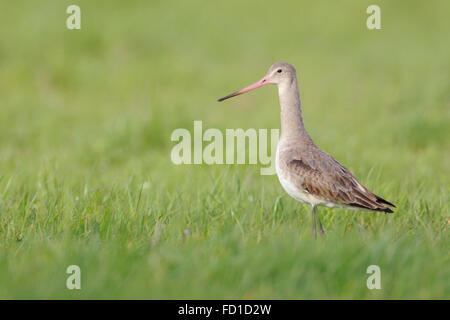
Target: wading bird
307,173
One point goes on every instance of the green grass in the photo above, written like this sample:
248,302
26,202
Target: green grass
85,171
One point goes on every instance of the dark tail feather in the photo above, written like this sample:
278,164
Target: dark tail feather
381,200
387,210
381,209
370,201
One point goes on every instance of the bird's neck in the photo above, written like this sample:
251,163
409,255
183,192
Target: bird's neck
292,127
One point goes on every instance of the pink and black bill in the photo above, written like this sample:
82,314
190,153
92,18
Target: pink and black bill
258,84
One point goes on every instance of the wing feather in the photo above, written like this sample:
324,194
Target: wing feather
324,177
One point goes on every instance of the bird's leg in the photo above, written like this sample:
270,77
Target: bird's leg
313,211
320,226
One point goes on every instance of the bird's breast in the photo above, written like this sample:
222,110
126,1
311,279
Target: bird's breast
291,187
286,183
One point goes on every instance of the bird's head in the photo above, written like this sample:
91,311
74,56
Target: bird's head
280,73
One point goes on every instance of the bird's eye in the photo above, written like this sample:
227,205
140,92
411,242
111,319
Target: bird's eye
279,70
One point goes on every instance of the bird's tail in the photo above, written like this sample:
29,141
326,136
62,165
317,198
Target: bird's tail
370,201
381,200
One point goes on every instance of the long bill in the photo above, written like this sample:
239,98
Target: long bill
258,84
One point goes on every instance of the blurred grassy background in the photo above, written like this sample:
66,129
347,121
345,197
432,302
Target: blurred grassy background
85,171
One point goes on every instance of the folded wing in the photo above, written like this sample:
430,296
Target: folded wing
322,176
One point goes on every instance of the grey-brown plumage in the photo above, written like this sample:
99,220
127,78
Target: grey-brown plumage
318,174
307,173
